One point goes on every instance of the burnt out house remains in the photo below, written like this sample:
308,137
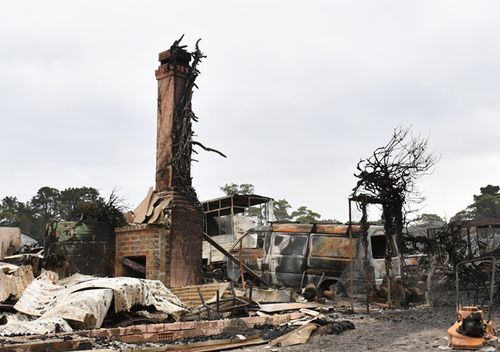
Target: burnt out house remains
165,241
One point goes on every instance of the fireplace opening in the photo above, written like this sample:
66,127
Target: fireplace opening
134,266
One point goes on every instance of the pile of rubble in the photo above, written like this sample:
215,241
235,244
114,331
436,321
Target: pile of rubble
83,311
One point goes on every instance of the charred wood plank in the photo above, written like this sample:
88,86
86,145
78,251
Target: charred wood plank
129,263
50,345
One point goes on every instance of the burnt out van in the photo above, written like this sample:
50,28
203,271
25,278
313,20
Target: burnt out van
294,255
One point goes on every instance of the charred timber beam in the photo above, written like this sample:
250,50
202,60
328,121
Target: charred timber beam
235,260
129,263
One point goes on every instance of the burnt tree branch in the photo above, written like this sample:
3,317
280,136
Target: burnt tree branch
389,176
182,143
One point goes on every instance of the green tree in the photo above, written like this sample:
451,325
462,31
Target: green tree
429,218
46,203
45,207
305,215
280,209
51,204
8,211
465,214
231,189
73,202
18,214
486,205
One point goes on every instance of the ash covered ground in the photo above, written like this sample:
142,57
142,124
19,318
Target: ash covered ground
420,328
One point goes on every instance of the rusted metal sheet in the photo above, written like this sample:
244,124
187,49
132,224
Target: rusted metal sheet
332,248
335,229
294,259
299,228
189,295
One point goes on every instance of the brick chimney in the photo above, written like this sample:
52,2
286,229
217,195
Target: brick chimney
171,76
174,178
169,250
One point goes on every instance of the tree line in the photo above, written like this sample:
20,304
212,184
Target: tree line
486,205
72,204
86,203
281,207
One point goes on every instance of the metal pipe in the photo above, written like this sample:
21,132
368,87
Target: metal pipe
351,259
302,280
320,279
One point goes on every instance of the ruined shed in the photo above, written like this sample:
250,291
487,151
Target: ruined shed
85,247
226,219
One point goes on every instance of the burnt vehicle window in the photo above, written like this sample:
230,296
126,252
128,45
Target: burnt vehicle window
324,246
289,244
250,241
260,242
378,247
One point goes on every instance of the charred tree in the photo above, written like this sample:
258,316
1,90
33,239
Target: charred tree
388,177
391,174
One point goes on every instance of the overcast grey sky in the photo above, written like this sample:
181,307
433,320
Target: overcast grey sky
294,92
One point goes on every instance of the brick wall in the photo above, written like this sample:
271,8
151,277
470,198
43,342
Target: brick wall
149,240
185,246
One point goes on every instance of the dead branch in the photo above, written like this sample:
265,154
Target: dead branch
208,149
182,143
